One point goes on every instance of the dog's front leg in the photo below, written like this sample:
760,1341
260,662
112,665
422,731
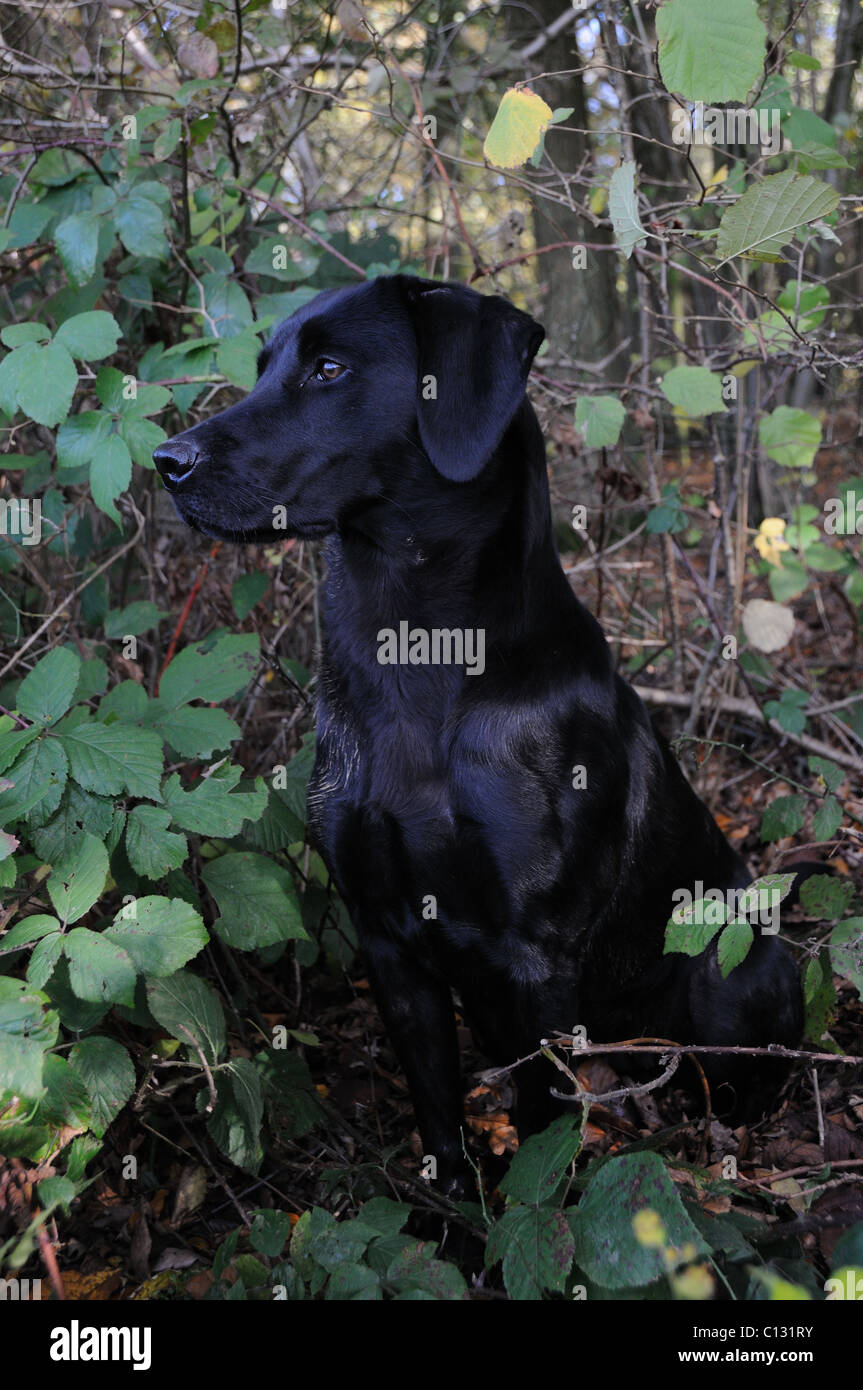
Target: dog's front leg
417,1009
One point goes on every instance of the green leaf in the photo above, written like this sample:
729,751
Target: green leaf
247,591
795,59
623,209
827,819
600,420
519,124
77,243
831,775
79,437
44,958
65,1100
77,882
17,334
541,1162
733,946
152,849
354,1283
235,1124
819,996
691,929
790,436
695,390
110,474
416,1272
193,731
99,971
135,400
769,213
46,692
257,901
107,758
197,674
213,809
106,1070
31,929
183,1004
846,952
606,1247
825,897
165,144
140,226
141,438
21,1063
38,779
89,336
784,816
710,53
237,359
537,1248
158,934
137,617
269,1232
46,388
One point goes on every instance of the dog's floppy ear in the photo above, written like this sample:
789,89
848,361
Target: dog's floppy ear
474,353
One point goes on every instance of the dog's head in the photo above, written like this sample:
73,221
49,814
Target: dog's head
350,387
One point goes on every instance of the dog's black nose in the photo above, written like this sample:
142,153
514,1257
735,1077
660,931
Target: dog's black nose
175,460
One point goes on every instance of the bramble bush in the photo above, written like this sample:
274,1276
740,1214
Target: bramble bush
146,249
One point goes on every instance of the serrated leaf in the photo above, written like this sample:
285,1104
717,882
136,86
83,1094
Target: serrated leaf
141,438
152,849
77,882
710,53
183,1003
695,390
110,474
790,436
257,901
196,674
600,420
89,336
192,731
733,946
158,934
784,816
106,1071
521,120
831,775
623,209
77,243
846,951
46,692
825,897
46,387
140,226
767,215
827,819
80,436
235,1124
212,808
107,758
536,1246
99,971
38,779
541,1162
606,1247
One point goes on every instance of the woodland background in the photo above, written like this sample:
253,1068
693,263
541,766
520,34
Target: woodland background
196,1097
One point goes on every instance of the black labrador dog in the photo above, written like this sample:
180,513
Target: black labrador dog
490,797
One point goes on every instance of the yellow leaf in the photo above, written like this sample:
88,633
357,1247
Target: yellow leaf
522,119
719,177
770,541
648,1228
598,201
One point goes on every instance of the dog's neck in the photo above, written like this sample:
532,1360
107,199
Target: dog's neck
443,555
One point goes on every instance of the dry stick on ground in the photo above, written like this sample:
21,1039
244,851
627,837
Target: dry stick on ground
669,1049
733,704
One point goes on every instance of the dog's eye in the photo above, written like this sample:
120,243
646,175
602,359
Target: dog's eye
328,370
